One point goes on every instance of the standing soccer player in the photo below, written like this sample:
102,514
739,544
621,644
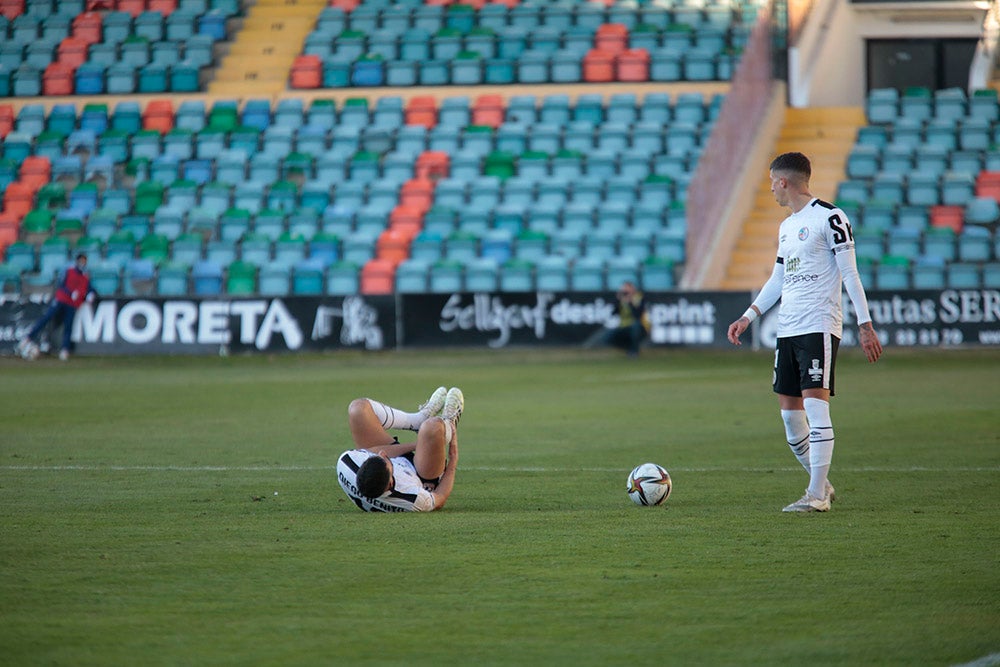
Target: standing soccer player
815,256
73,290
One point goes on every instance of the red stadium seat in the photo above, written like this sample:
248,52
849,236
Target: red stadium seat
393,244
951,217
11,8
133,7
9,227
6,119
18,199
407,220
599,66
347,5
988,184
73,51
158,115
433,165
632,65
307,72
611,37
378,276
422,110
35,170
417,193
58,79
165,7
87,26
488,110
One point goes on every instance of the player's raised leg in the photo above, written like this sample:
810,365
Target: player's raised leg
436,434
366,427
394,418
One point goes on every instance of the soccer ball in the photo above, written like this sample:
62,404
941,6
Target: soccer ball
649,484
30,351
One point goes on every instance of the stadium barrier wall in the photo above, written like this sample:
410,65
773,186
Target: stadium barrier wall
137,326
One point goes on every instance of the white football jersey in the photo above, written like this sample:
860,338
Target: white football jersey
407,495
808,244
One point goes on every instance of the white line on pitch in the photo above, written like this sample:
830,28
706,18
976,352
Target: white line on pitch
284,468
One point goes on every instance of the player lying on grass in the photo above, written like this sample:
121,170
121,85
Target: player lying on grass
384,475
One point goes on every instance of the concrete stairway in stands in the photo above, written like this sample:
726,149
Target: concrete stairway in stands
259,61
826,135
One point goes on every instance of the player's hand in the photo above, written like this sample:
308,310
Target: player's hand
870,342
736,330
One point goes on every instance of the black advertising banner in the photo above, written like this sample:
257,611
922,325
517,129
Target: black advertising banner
918,318
695,319
200,326
945,318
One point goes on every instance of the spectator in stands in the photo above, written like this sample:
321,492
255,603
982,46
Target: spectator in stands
72,291
633,321
815,257
384,475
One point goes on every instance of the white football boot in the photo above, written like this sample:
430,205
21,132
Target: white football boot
809,503
434,403
454,403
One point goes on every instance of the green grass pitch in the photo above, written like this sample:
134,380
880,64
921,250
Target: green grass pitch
184,511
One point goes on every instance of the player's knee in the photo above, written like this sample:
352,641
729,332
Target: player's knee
432,427
358,408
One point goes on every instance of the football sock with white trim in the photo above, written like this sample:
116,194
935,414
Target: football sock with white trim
820,444
797,434
392,418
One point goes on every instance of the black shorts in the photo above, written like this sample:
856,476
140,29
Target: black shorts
805,362
429,484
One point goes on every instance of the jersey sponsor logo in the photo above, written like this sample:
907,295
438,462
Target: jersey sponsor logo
799,278
803,233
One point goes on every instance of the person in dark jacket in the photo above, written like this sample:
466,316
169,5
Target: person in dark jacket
73,290
633,322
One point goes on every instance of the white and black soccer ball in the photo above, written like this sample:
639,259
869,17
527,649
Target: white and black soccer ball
649,484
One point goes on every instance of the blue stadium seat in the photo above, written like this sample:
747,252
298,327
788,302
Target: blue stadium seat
342,278
975,244
964,275
206,278
587,274
412,275
482,274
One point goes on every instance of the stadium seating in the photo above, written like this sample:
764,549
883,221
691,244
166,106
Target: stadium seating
488,182
920,176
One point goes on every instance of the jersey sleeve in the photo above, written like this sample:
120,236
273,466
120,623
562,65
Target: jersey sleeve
771,291
839,233
848,265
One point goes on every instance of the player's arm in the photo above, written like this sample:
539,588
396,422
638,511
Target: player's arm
867,337
447,482
767,297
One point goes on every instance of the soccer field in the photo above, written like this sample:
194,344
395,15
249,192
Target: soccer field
185,511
